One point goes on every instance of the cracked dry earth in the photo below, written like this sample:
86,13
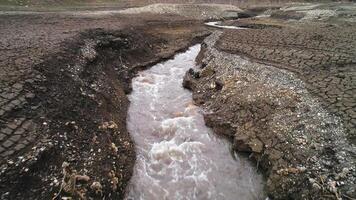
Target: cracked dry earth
323,56
283,94
63,100
303,144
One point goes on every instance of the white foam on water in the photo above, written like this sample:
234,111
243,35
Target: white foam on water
217,25
178,157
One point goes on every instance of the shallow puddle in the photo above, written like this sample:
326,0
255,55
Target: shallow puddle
178,157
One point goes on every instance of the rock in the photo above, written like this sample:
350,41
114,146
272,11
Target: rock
240,143
275,155
213,85
84,178
194,74
256,145
206,72
219,85
188,81
108,125
97,187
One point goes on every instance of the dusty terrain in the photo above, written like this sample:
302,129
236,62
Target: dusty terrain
63,103
322,56
282,91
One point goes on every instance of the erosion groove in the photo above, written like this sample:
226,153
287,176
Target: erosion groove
79,108
178,157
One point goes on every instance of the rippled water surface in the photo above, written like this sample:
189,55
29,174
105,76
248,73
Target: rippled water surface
178,157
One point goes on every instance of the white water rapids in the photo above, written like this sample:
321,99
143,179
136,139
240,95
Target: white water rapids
178,157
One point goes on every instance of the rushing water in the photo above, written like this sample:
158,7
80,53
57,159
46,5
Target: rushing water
178,157
217,25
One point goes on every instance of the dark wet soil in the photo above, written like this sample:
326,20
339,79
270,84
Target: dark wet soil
70,124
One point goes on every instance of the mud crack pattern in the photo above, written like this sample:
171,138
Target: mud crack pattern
269,113
323,56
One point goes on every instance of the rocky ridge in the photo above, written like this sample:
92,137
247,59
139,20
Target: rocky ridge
268,113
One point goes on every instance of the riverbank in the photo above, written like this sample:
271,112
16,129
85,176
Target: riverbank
282,92
287,87
177,155
67,136
271,114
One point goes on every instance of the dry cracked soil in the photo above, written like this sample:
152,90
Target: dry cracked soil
283,91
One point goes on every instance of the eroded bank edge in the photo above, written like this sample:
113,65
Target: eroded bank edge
268,112
81,108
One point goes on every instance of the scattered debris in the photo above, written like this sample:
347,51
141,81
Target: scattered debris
108,125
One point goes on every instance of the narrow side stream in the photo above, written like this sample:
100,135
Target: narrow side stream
217,25
178,157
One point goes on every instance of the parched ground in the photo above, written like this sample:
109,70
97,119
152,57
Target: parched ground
284,92
323,56
63,105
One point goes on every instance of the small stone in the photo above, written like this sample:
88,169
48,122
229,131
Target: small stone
96,186
212,85
208,71
240,143
256,145
108,125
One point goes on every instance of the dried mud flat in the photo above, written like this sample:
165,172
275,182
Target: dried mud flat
64,82
283,91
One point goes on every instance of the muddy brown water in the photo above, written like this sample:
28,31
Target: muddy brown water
178,157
